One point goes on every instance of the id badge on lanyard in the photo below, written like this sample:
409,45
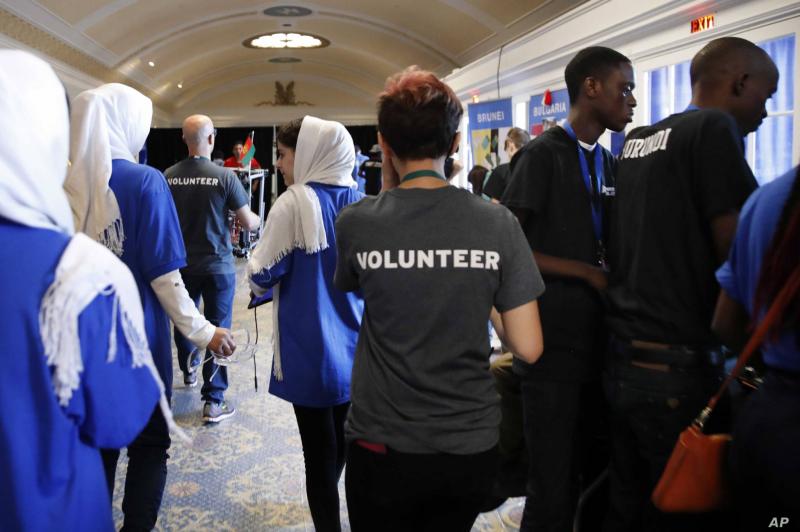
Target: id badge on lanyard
596,206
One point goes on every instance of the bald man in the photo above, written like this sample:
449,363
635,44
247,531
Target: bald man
203,194
679,186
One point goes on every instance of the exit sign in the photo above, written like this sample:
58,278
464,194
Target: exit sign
702,23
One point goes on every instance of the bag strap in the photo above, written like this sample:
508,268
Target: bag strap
784,297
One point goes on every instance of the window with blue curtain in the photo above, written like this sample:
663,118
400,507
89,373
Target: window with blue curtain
683,86
660,94
670,90
769,150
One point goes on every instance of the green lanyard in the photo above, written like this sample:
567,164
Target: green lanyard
422,173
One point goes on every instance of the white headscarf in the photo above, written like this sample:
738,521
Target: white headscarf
33,111
33,143
324,154
109,122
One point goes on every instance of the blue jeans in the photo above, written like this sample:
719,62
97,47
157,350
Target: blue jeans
649,409
217,292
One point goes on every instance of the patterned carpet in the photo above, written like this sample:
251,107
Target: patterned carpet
246,473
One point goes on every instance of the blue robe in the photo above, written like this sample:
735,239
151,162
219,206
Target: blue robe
153,246
51,475
318,324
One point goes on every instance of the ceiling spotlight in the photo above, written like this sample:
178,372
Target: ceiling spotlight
180,85
286,40
151,63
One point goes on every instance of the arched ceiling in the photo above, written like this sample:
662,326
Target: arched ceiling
199,45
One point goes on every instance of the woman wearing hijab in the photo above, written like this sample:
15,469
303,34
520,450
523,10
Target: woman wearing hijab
128,208
77,373
315,326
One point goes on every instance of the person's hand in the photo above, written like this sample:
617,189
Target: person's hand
389,176
222,343
596,277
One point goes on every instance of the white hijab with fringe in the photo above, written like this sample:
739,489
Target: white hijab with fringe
109,122
33,107
324,154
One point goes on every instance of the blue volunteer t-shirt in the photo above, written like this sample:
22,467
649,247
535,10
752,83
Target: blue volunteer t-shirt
153,246
317,323
51,475
739,275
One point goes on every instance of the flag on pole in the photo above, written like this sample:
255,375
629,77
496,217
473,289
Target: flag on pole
248,150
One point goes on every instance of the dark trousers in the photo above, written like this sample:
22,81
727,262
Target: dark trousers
146,476
416,492
565,434
649,410
217,292
765,456
324,451
512,473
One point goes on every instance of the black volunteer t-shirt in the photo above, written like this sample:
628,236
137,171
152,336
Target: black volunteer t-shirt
430,265
203,194
497,182
673,179
546,181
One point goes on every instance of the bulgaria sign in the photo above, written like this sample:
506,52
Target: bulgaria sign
547,110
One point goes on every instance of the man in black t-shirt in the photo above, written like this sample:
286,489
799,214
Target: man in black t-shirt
498,179
203,194
560,189
680,184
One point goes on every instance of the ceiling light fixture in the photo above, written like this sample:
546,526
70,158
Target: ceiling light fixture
286,40
287,11
284,60
151,63
180,85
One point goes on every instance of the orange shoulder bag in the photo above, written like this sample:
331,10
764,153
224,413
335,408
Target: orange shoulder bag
695,478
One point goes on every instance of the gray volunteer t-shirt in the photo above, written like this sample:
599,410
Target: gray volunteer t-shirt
430,265
203,194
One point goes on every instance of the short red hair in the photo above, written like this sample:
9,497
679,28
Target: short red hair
418,115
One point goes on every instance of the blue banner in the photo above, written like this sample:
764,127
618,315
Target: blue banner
543,115
489,123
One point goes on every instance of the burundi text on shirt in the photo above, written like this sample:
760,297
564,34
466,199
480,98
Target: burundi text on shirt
193,181
635,148
406,259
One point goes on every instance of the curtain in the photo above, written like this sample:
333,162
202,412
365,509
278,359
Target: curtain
773,140
660,94
683,87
